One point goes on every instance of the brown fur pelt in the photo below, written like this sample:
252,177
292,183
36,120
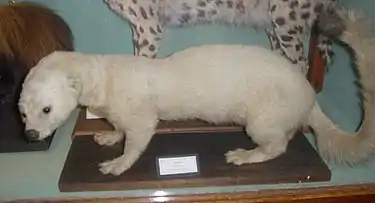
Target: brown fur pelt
30,31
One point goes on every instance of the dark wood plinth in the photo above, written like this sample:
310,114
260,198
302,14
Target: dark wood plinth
301,163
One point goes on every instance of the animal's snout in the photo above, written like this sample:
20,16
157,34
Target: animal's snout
32,135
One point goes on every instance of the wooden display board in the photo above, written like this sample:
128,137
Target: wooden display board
300,163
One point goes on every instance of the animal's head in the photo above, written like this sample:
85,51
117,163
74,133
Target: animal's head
48,97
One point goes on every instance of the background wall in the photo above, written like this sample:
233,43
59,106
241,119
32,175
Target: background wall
98,30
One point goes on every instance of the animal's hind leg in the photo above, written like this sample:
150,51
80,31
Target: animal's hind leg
271,144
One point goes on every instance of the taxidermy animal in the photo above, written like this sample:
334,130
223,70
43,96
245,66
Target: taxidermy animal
232,83
286,22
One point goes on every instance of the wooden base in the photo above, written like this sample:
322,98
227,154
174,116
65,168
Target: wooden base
301,163
336,194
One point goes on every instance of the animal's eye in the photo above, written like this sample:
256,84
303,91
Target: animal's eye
46,110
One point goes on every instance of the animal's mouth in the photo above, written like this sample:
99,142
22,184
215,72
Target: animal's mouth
33,141
32,135
45,138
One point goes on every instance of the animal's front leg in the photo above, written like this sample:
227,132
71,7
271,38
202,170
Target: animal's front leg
108,138
137,140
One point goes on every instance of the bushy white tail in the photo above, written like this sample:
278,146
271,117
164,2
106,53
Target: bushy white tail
335,144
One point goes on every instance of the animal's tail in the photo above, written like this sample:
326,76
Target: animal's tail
333,143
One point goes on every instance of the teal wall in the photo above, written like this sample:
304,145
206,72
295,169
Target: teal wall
98,30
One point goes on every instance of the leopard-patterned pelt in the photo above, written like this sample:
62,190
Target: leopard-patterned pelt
286,22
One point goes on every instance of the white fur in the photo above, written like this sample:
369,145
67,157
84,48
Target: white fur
247,85
216,83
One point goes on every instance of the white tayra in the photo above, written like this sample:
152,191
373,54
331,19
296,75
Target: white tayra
215,83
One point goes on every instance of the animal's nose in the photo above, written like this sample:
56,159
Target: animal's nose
32,135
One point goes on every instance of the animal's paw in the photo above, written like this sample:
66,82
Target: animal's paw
237,156
107,138
115,167
242,156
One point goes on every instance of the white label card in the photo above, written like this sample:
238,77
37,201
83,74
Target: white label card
178,165
91,115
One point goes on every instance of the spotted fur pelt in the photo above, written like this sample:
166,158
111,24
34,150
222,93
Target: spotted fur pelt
285,21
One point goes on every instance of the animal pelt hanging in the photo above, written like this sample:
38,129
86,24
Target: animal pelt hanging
286,22
30,31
